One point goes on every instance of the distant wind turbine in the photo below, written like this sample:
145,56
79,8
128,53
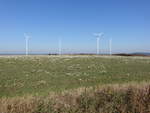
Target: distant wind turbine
110,46
60,46
98,36
27,43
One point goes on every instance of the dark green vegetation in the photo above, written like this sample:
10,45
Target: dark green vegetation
39,75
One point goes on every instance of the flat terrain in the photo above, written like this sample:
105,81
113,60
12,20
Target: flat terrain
39,75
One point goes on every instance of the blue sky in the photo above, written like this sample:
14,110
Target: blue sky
127,22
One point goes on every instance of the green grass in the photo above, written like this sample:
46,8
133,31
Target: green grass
39,75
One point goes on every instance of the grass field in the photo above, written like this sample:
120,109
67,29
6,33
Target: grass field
40,75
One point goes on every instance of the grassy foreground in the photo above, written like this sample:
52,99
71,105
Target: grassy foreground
74,84
39,75
126,98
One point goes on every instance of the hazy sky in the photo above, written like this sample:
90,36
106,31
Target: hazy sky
127,22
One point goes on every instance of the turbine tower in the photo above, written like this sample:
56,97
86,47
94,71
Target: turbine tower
98,36
110,46
60,46
27,43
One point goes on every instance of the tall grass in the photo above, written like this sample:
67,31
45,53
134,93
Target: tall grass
128,98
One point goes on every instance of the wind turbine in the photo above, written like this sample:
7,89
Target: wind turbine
27,43
60,46
110,46
98,36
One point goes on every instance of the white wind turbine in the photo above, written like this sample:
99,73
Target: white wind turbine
98,36
60,46
110,46
27,43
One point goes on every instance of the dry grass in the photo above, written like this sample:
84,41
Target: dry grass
127,98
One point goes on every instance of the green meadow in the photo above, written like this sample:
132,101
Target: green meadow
40,75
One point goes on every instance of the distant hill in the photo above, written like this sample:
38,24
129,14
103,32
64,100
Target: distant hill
133,54
142,53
